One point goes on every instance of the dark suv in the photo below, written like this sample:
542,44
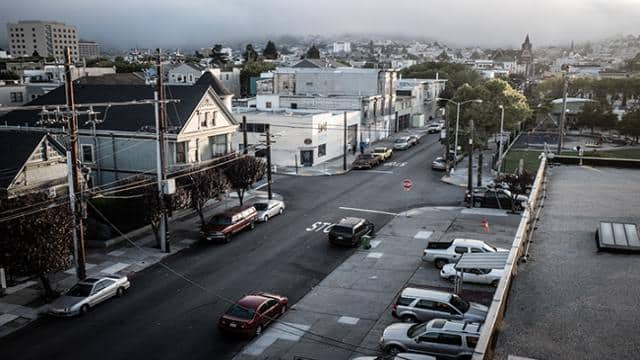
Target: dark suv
366,161
350,230
223,225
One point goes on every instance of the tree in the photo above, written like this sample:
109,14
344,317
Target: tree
37,244
518,185
204,186
443,57
9,75
249,54
313,53
218,56
270,51
630,124
252,69
591,116
243,172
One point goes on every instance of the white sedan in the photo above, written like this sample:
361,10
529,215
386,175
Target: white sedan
268,209
478,276
87,294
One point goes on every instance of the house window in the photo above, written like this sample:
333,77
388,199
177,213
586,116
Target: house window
294,105
268,104
322,150
214,114
181,152
227,76
15,97
87,153
204,119
218,144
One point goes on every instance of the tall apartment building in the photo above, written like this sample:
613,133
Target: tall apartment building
47,38
88,50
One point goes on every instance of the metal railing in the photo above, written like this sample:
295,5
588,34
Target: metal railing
519,249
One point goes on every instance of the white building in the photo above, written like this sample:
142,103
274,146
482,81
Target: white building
185,74
302,137
342,47
47,38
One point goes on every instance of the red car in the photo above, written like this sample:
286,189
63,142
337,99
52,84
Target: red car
251,314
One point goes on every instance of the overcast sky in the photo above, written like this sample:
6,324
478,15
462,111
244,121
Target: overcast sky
197,23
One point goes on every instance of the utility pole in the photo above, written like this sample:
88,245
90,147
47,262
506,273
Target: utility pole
470,177
78,228
565,90
244,135
162,161
344,143
447,142
501,137
455,145
269,192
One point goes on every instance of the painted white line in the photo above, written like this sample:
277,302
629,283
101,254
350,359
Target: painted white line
72,271
348,320
368,210
591,168
374,244
375,255
116,253
275,332
424,235
114,268
378,171
483,211
5,318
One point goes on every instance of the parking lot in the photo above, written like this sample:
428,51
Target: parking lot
570,301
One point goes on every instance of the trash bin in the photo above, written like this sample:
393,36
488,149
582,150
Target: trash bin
365,241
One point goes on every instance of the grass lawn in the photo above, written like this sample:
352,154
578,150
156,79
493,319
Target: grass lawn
511,161
633,153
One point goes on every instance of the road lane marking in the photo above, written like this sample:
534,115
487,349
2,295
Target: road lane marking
378,171
423,235
321,225
368,210
375,255
348,320
591,168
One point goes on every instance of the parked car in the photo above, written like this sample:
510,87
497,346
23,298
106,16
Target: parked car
398,356
477,276
267,209
401,143
366,161
350,230
445,339
434,128
439,164
496,199
420,305
252,313
383,152
414,139
88,293
222,226
457,157
441,253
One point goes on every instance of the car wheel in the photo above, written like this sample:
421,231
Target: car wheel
440,263
227,239
266,218
258,330
252,225
452,278
495,283
409,319
281,211
120,292
84,309
393,349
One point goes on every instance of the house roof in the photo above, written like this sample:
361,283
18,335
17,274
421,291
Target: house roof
208,78
16,147
317,63
113,79
135,118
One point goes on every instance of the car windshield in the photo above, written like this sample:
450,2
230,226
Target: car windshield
365,156
460,304
341,229
261,206
220,220
240,312
416,330
379,150
401,140
80,290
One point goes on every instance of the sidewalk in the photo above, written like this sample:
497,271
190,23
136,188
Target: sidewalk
335,165
460,176
345,314
22,303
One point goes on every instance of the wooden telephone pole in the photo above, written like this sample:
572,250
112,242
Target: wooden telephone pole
78,226
162,161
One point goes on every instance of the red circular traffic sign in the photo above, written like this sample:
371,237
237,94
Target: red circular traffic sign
407,184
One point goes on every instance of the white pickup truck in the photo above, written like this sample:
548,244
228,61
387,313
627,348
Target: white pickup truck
442,253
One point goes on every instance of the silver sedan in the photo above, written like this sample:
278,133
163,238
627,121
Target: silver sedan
87,294
268,209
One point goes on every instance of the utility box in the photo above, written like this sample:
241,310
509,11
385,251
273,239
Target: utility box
169,186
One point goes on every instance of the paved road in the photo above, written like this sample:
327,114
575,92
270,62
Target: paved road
164,317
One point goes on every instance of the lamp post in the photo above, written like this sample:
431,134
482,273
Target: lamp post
501,131
455,149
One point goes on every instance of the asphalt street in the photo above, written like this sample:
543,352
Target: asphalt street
166,317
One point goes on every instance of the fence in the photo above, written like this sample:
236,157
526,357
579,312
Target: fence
519,249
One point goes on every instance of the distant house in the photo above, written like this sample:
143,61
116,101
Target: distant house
186,74
122,139
31,162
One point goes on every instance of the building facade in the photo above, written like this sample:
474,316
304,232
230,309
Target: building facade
47,38
88,50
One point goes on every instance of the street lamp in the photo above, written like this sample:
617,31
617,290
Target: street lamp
501,131
458,104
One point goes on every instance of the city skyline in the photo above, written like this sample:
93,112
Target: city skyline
495,23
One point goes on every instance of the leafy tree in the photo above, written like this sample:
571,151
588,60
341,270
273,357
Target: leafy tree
270,51
243,172
594,115
456,74
630,124
313,53
36,244
203,186
9,75
518,185
217,56
249,54
252,69
443,57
